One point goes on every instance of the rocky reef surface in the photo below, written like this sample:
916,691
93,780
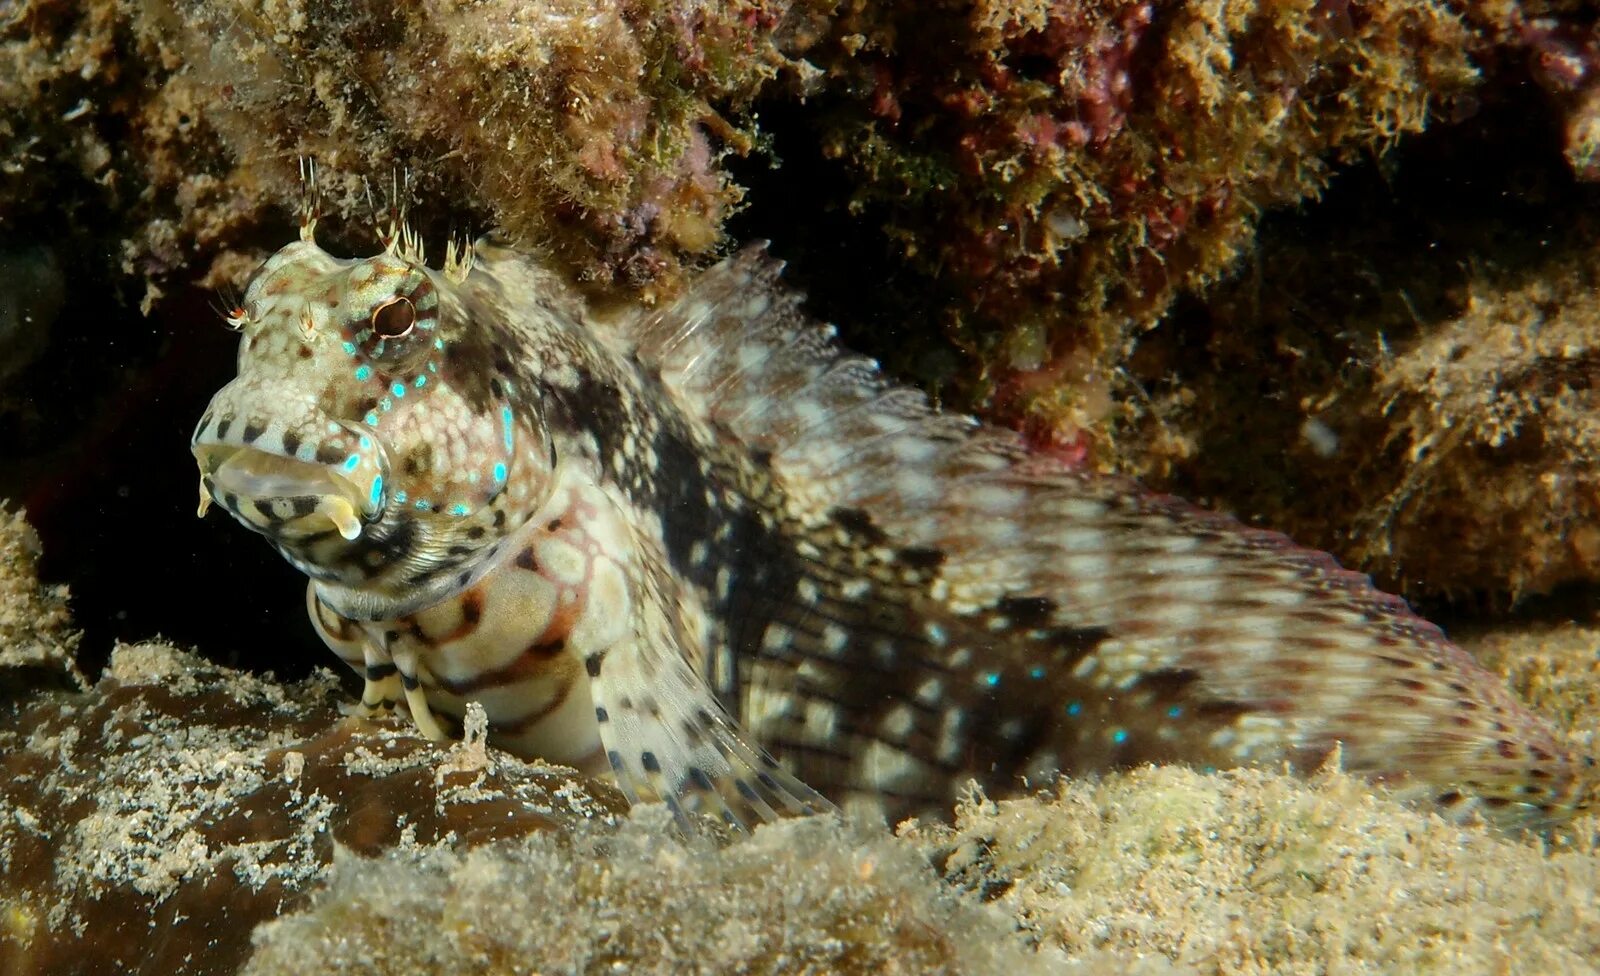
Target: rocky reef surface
181,817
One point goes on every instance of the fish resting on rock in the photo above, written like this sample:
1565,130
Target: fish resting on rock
702,548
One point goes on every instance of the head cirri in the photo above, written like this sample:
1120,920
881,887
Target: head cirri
348,437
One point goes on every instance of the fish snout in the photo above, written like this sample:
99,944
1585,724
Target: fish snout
290,477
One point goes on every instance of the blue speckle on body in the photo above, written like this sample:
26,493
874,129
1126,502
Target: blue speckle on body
1119,736
376,494
500,471
458,509
1036,673
420,382
352,462
1074,708
398,389
363,372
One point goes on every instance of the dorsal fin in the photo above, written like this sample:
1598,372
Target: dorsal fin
1299,654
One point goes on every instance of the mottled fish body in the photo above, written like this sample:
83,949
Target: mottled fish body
706,550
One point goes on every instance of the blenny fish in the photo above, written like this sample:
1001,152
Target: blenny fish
705,550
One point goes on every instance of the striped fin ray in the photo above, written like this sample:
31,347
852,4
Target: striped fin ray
668,738
1235,644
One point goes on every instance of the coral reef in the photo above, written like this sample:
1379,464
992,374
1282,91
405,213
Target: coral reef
189,800
1048,177
186,799
1416,400
180,798
1065,169
1400,374
797,897
37,642
1253,872
595,130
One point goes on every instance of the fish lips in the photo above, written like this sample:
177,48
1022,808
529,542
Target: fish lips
283,496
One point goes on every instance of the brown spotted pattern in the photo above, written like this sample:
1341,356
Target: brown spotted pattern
707,550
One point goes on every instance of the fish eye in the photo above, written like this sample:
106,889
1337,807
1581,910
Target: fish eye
394,319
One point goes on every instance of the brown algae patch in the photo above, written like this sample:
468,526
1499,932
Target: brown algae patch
186,800
796,897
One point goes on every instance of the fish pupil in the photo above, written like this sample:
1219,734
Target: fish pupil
394,319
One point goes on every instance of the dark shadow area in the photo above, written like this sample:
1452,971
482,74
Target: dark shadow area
851,273
98,454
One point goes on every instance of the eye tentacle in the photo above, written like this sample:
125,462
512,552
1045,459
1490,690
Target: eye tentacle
311,200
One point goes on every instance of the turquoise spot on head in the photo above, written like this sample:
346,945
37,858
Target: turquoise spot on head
400,497
500,471
371,419
1036,673
352,462
1074,708
506,424
458,509
349,348
363,373
991,678
1119,736
398,389
420,382
366,444
422,505
376,494
1175,711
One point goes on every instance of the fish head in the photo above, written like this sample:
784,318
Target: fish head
360,435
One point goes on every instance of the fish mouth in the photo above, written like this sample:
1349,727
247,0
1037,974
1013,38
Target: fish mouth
282,496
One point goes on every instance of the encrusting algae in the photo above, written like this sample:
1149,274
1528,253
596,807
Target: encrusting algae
147,825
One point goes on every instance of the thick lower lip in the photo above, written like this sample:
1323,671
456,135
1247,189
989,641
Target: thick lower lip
277,494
